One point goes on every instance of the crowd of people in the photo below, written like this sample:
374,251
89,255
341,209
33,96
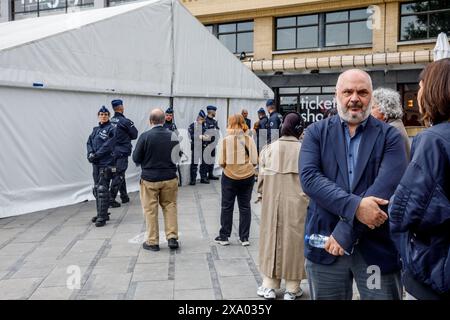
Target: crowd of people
348,199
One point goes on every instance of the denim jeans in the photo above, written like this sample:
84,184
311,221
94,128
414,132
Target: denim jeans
242,190
335,281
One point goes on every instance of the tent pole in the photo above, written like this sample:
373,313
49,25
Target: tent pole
172,35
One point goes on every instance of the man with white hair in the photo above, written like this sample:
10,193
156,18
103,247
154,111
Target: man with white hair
387,108
349,165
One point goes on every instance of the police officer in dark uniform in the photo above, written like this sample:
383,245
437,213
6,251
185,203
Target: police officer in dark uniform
100,152
169,123
261,132
198,143
275,121
211,124
125,132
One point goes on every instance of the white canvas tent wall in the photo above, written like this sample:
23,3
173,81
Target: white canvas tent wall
56,71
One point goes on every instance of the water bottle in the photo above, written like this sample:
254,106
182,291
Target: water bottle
316,240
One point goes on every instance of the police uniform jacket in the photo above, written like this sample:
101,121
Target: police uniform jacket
102,143
126,131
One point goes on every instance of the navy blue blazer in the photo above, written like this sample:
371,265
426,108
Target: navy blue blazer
332,208
420,211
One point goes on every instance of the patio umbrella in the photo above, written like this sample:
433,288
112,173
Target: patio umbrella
442,48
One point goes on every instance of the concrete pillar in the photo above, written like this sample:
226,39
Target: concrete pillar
392,23
100,3
5,10
263,42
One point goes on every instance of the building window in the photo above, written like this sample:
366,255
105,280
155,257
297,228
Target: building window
310,102
297,32
236,36
323,30
347,28
37,8
112,3
424,19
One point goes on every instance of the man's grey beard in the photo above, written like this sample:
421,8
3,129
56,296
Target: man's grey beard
346,116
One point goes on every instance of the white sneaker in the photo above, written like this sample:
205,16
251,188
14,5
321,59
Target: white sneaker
293,296
244,242
266,293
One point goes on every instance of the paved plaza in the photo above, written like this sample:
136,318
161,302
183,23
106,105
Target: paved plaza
40,254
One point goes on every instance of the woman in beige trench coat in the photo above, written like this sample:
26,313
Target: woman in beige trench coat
283,212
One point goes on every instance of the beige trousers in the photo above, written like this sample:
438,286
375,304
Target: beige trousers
292,286
163,193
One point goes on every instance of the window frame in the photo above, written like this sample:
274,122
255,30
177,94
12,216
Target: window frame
321,25
428,12
38,10
296,27
348,22
217,33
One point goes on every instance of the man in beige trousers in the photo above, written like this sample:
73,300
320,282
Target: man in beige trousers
157,152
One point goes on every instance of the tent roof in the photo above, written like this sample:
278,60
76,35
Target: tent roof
154,47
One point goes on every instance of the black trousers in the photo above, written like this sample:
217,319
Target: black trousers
195,160
102,178
118,183
242,190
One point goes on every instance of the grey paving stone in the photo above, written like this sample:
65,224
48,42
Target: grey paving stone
7,262
194,294
146,256
129,228
48,251
115,267
190,246
52,293
238,287
123,250
16,249
234,250
74,258
18,288
59,277
106,284
100,297
150,271
123,237
232,267
190,279
83,246
33,272
154,290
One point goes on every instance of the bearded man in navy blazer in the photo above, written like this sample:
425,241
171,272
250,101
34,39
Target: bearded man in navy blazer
350,164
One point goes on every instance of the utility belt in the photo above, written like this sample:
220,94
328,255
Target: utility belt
107,171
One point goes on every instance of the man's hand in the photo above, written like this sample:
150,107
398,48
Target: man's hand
91,157
333,247
370,213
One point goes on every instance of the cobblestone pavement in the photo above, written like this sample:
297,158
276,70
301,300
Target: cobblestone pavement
41,254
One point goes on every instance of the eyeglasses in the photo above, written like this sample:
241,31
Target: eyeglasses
101,114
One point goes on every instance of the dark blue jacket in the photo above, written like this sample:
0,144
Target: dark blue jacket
333,205
102,143
191,131
211,124
263,122
155,154
171,126
274,125
126,131
420,210
248,122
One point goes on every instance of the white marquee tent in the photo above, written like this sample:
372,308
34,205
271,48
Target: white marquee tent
56,71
